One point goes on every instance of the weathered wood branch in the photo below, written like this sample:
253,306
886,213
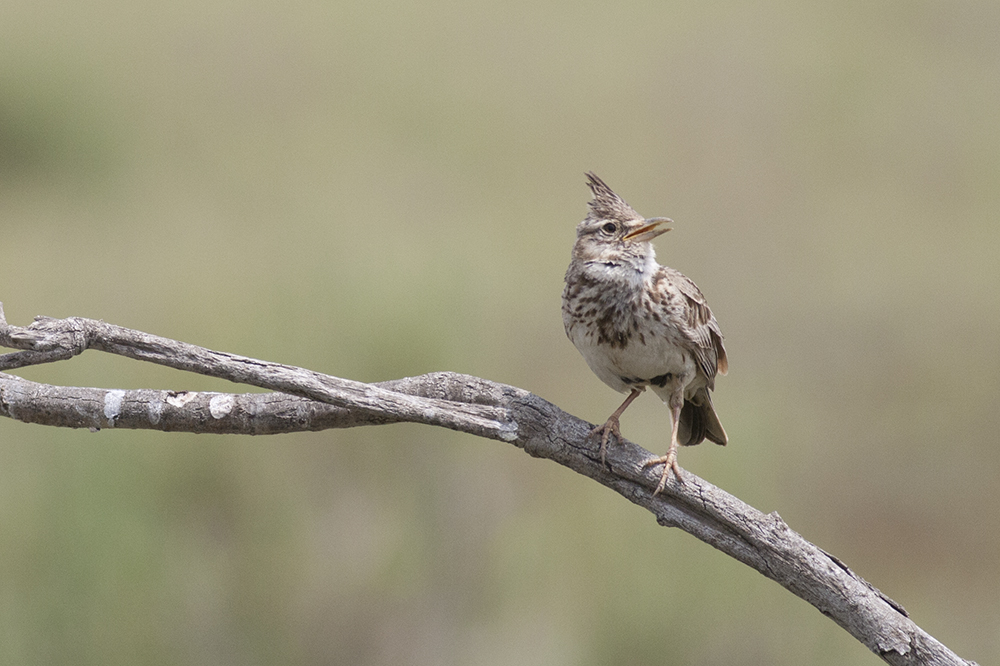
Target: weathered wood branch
307,400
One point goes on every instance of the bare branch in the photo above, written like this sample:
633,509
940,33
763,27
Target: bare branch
50,339
307,400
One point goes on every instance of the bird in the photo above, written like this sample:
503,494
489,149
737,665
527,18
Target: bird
641,325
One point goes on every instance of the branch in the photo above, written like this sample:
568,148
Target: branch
307,400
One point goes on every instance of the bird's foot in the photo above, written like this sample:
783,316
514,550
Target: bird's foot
609,428
669,463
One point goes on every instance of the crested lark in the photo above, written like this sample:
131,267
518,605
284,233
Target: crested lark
639,324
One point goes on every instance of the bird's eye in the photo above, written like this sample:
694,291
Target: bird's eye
609,228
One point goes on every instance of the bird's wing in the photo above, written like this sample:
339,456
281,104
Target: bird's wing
700,328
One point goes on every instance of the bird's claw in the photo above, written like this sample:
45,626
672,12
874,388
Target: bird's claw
669,462
610,427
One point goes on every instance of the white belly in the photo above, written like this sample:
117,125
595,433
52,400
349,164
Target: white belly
614,365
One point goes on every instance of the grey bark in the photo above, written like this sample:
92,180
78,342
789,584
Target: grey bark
306,400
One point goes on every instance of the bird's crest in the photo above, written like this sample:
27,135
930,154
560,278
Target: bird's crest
606,205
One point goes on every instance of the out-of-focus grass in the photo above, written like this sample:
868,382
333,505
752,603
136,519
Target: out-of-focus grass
377,190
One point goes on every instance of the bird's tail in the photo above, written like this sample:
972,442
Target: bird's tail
699,421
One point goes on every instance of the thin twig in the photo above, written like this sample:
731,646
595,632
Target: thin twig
48,340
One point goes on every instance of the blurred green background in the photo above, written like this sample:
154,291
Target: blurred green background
384,189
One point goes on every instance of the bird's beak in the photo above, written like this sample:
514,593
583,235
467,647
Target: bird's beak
653,227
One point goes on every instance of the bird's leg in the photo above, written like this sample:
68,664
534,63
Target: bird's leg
670,460
611,425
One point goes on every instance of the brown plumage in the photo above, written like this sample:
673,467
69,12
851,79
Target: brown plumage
639,324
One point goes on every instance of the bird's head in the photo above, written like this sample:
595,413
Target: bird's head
613,233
